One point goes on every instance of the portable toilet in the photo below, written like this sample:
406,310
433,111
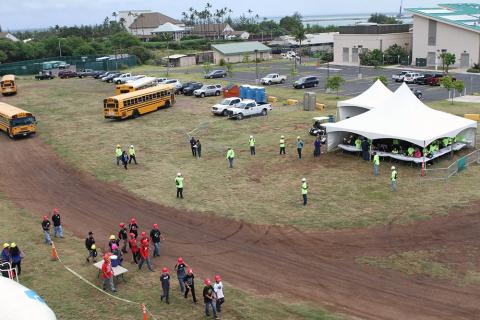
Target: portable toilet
251,93
242,92
261,96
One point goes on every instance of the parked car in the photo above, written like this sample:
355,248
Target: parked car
273,78
411,77
175,82
436,80
208,90
44,75
118,80
63,65
222,107
86,73
318,127
417,93
161,80
216,74
188,90
110,76
64,74
130,79
306,82
248,108
399,76
102,74
423,78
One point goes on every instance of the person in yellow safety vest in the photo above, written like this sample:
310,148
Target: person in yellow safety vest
282,145
179,184
304,191
358,143
251,143
393,179
376,163
230,157
131,153
446,142
118,153
410,151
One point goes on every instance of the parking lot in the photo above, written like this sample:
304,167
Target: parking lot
353,85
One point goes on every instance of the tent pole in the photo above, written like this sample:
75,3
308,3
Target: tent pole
423,163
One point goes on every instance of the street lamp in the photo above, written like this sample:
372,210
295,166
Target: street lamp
383,59
59,46
256,65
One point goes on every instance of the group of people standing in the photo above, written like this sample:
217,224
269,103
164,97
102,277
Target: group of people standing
12,254
57,226
196,147
125,157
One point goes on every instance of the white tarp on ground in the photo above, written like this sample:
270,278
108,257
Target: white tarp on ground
402,117
371,98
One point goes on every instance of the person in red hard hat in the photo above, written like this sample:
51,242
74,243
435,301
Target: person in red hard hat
189,281
133,227
208,297
218,288
107,273
156,236
181,269
165,280
134,247
145,255
143,237
123,236
46,230
57,224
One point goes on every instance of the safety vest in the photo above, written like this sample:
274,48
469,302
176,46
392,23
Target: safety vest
376,160
304,188
300,144
230,154
393,177
358,144
131,152
410,151
179,182
282,143
252,142
118,152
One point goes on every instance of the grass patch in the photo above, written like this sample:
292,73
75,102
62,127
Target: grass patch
421,262
70,298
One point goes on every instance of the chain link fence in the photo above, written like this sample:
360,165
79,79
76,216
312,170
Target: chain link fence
106,63
444,174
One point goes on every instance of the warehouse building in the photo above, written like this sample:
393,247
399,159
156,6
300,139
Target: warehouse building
238,51
453,28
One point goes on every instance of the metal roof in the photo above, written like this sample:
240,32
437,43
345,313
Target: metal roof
463,15
168,27
240,47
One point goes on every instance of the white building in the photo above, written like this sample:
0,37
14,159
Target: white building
314,41
453,28
352,40
129,16
8,36
145,23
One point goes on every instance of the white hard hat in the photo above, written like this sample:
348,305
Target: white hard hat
179,174
251,137
304,179
131,146
282,136
298,137
393,168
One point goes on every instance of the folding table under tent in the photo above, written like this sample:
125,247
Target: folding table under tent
369,99
404,117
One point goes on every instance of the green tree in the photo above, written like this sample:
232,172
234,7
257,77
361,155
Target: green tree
290,23
382,79
293,72
300,35
394,54
3,56
383,19
207,67
448,83
84,49
458,86
229,67
142,53
334,83
448,59
371,58
124,40
246,57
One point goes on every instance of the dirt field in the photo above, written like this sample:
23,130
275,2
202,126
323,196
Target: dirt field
317,267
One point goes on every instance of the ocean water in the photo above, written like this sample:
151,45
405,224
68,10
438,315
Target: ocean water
340,19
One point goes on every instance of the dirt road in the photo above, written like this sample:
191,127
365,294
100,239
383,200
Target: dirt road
317,267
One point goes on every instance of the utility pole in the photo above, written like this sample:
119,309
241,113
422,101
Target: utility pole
60,46
256,66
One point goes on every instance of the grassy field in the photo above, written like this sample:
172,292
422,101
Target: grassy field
264,189
71,298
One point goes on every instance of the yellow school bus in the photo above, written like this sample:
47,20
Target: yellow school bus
134,104
139,84
16,122
7,84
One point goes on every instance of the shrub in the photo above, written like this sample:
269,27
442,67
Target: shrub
221,62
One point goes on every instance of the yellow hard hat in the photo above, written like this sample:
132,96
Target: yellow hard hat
13,245
6,245
118,146
298,137
93,247
112,237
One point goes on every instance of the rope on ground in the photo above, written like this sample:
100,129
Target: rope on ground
98,288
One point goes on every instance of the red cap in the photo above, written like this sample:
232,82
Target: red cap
165,270
207,282
132,235
180,260
121,224
55,210
190,271
133,220
106,256
155,226
144,234
145,241
45,217
218,278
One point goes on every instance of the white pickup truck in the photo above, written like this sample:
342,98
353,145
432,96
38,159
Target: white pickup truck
117,80
248,108
222,107
399,76
273,78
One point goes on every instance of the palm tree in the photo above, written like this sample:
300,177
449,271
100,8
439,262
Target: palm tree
299,34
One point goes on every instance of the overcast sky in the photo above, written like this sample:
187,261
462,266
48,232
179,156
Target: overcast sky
24,14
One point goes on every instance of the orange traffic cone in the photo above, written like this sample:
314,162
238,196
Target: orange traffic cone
423,169
54,253
144,310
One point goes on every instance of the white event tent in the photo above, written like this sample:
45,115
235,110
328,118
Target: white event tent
369,99
403,117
